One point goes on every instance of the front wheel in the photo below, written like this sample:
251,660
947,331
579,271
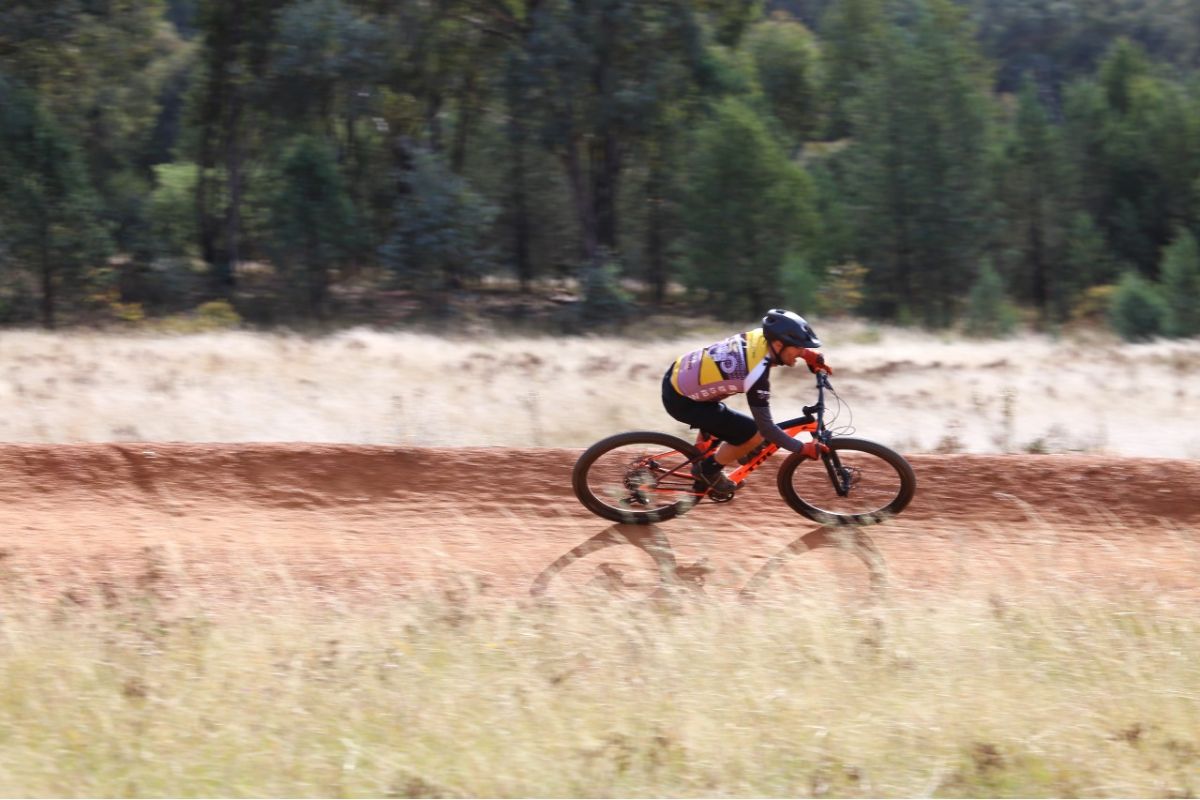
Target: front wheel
637,478
858,482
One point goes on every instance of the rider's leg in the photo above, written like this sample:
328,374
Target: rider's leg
728,453
738,432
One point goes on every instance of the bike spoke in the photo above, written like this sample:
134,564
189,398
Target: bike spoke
639,478
863,485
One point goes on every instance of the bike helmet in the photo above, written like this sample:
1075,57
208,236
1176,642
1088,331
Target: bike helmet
789,328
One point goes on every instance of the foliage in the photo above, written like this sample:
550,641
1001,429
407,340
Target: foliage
916,170
1138,309
1034,194
170,228
439,239
787,63
323,51
312,220
989,312
52,228
1181,286
217,315
748,208
843,292
1086,259
1137,154
800,287
605,305
98,69
854,32
544,138
1093,304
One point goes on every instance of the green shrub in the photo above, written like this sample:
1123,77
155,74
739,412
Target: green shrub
989,312
215,315
1181,287
604,304
1138,309
801,285
218,315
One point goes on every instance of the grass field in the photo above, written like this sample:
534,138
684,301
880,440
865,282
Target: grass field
916,391
1050,693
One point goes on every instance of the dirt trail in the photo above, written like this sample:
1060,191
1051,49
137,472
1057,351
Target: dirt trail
255,518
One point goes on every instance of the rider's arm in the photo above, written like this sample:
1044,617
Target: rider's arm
759,398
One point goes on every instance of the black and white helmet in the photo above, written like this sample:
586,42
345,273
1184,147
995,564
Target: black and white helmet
789,328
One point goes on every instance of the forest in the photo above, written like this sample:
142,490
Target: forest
579,164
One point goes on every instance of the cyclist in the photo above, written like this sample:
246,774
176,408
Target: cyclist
697,383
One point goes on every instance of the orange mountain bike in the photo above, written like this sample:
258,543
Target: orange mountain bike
644,477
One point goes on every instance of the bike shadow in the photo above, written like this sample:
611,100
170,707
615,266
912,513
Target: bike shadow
853,540
620,574
652,570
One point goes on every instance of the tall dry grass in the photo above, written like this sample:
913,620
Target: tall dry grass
914,390
1054,692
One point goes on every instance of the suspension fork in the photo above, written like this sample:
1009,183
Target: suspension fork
839,476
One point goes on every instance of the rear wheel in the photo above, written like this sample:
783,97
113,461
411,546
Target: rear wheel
639,477
858,482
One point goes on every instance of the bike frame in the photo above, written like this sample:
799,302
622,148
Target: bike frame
815,426
708,444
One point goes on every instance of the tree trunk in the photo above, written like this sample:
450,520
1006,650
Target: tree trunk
318,285
520,209
1037,254
585,208
207,230
433,122
466,114
225,273
605,151
204,222
605,171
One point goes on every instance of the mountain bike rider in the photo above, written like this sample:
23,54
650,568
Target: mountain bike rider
697,382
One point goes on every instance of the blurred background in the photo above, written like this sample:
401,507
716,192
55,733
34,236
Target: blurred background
372,221
569,165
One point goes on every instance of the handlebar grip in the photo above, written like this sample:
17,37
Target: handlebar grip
808,410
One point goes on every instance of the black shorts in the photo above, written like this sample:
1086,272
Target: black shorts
715,417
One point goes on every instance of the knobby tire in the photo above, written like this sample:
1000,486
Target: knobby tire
611,508
888,482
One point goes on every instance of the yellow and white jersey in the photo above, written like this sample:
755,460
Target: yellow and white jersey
729,367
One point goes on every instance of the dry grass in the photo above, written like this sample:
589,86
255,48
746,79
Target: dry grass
1054,692
914,390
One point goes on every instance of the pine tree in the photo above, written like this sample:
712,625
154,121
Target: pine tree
1034,191
1138,309
748,210
312,220
988,311
1135,140
916,169
852,37
786,62
439,236
50,211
